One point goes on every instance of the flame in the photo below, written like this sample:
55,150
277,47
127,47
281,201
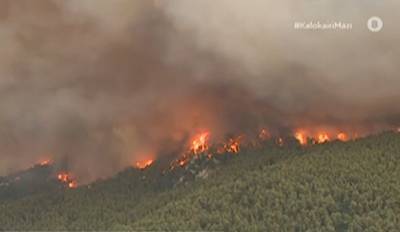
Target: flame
45,162
342,137
280,141
264,135
301,137
73,184
322,137
144,164
233,145
182,163
66,178
63,177
200,143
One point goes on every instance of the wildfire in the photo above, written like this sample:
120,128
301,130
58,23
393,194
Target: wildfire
342,136
179,162
280,141
63,177
73,184
66,178
45,162
144,164
233,145
322,137
200,143
301,137
264,135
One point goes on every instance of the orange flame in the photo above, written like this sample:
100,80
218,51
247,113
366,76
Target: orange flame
342,137
144,164
322,137
182,163
66,179
73,184
233,145
280,141
264,134
45,162
200,143
63,177
301,137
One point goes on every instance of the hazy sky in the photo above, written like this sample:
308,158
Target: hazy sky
96,84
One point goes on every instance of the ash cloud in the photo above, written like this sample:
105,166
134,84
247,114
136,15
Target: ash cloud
96,85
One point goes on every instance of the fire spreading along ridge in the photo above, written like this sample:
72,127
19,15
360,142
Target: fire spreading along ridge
202,143
306,137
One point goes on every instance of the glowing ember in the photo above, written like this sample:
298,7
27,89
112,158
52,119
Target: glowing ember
144,164
264,134
221,149
342,136
199,143
45,162
322,137
65,178
72,184
301,137
279,141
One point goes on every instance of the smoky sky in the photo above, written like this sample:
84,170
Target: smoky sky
96,85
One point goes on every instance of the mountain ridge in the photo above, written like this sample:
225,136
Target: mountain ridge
333,186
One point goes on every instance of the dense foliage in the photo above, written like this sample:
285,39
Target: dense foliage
329,187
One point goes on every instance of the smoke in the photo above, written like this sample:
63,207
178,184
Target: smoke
96,85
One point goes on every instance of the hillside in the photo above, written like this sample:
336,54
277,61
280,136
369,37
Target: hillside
333,186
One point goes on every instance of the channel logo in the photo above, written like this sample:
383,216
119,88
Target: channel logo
375,24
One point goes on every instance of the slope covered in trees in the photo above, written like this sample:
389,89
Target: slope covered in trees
333,186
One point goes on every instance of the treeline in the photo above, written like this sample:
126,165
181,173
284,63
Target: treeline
337,186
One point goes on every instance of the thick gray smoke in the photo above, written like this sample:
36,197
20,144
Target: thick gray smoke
95,85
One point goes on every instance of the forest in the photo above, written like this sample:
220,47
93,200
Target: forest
335,186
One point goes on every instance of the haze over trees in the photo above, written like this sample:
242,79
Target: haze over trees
334,186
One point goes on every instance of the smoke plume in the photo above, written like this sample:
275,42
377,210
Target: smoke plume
95,85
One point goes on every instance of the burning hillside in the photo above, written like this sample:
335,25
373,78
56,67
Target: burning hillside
205,145
124,83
